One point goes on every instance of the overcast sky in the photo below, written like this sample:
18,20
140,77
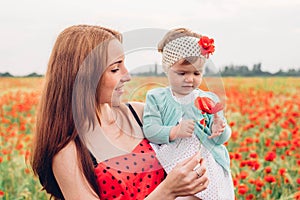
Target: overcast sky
245,31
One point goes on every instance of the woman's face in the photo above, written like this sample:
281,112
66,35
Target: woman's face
184,78
115,76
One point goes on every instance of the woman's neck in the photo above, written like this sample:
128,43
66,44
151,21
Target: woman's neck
107,114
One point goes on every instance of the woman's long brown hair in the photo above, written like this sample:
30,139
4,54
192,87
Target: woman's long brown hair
60,109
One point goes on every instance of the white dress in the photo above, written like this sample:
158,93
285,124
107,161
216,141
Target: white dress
220,185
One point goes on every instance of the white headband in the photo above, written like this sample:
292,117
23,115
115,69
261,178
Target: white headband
182,47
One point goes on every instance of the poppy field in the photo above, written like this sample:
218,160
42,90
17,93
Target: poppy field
264,115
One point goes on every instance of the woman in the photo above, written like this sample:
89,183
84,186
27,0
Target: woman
85,136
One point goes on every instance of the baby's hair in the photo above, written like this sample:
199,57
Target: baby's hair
174,34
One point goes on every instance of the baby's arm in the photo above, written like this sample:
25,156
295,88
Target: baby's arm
185,128
153,127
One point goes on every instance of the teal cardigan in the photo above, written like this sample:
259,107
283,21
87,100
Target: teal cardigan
162,112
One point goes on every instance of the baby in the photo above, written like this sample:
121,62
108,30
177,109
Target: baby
173,120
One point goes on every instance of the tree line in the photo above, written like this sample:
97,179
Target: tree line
243,70
7,74
232,70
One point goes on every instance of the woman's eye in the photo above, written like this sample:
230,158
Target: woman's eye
114,70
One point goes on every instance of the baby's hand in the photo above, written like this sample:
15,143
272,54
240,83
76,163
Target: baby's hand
185,128
218,127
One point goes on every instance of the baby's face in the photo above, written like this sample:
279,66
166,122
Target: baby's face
184,78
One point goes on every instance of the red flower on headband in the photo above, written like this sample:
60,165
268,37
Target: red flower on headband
208,105
207,46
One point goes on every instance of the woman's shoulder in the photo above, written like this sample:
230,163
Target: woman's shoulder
66,154
138,107
66,160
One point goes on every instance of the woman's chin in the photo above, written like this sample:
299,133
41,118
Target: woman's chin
116,100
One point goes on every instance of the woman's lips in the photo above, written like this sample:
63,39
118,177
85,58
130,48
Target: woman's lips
120,89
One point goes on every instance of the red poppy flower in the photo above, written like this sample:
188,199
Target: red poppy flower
253,155
202,121
243,163
250,196
270,178
243,175
259,183
258,189
208,105
270,156
268,169
242,189
207,46
235,182
237,156
297,195
231,124
281,171
255,165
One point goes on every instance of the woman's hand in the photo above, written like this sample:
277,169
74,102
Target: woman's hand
184,180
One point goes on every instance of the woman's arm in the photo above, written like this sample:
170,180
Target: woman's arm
182,181
69,176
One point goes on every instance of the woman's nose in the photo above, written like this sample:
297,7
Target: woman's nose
126,77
